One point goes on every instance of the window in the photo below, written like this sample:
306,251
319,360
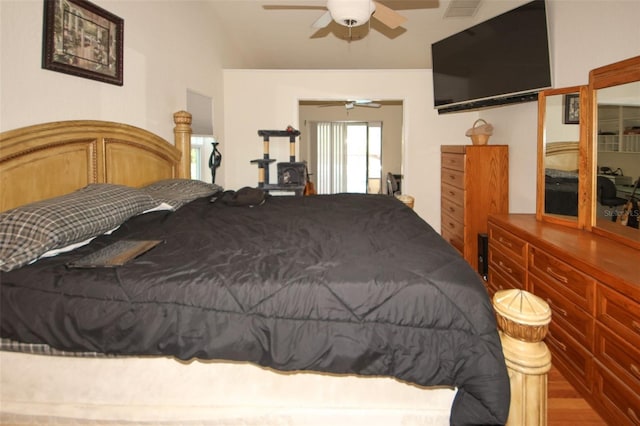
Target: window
201,109
349,157
200,150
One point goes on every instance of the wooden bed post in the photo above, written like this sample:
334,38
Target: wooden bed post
523,319
182,138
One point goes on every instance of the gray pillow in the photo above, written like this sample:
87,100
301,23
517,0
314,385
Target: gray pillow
28,231
178,192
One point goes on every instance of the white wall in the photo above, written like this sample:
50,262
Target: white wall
160,63
584,34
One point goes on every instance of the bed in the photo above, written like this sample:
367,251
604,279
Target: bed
561,178
342,309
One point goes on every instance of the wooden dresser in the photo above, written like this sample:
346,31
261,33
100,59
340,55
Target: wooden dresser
592,285
474,183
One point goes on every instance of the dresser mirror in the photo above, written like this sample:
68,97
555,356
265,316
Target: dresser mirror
615,150
561,139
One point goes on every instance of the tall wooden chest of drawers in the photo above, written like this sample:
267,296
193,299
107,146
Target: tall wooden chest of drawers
474,183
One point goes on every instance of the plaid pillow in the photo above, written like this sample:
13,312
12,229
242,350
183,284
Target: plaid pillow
28,231
178,192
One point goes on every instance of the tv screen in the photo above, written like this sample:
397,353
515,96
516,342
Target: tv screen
502,60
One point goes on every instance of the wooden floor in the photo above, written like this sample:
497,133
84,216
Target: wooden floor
565,407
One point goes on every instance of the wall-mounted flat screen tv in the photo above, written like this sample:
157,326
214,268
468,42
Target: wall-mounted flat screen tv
499,61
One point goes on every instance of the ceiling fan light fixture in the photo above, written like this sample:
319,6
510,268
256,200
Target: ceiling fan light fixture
351,13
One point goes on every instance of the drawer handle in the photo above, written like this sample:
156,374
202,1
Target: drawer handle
506,268
451,209
633,415
561,345
452,193
452,225
635,370
505,242
556,275
556,308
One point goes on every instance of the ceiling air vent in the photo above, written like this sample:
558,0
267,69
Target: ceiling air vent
462,8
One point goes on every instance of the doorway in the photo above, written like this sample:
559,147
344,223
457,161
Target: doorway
366,145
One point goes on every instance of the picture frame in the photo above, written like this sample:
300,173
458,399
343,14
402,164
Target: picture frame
82,39
572,108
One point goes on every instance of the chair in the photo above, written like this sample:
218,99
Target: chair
607,195
392,184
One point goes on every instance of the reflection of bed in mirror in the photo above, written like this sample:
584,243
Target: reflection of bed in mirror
561,178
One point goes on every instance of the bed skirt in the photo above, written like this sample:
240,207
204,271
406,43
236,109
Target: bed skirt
38,389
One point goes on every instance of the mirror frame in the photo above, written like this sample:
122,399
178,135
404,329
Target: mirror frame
623,72
583,176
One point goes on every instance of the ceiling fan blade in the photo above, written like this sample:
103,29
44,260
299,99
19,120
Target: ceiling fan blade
364,102
369,105
323,20
322,32
388,16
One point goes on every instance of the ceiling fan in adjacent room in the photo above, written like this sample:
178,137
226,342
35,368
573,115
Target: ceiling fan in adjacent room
351,104
354,13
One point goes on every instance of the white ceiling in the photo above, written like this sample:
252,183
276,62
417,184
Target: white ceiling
272,38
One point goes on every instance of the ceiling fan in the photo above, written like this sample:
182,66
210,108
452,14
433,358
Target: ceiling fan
354,13
351,104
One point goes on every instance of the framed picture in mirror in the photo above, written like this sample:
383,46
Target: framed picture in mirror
572,109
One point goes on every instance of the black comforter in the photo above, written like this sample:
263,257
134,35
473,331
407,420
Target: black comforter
342,283
561,195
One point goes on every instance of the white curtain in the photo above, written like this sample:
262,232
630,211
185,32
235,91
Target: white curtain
332,157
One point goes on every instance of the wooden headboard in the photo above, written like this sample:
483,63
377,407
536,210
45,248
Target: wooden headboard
51,159
561,156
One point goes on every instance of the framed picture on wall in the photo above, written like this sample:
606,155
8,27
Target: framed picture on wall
82,39
572,109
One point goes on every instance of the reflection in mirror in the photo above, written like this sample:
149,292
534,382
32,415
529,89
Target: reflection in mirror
618,153
559,139
616,150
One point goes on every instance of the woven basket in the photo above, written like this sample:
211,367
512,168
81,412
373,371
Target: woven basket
479,139
480,134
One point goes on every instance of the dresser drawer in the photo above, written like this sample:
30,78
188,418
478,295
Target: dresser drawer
452,193
452,177
498,282
509,244
455,240
619,313
452,161
565,313
622,403
573,357
571,283
453,210
500,262
618,356
453,226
